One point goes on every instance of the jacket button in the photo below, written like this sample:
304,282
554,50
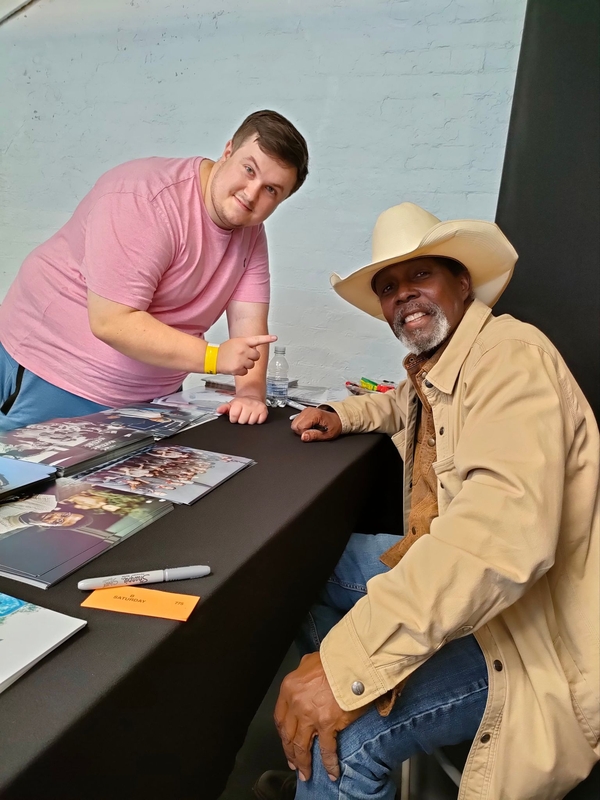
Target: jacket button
358,687
431,441
485,738
441,431
498,666
428,384
413,530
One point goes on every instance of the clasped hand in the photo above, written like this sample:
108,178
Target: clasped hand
317,425
307,708
245,410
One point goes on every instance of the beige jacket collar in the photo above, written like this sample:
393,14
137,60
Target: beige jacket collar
444,374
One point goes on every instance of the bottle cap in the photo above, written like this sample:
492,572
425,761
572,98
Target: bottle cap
279,350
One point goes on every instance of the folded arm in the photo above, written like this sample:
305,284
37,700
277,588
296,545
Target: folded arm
377,411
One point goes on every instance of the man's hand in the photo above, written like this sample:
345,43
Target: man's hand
238,356
307,708
245,410
317,425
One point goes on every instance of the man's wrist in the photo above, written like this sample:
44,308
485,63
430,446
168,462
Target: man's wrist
251,386
251,394
338,409
211,356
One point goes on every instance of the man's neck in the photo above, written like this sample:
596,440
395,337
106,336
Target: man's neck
413,363
206,174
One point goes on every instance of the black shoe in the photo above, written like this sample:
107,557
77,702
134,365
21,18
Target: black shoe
275,785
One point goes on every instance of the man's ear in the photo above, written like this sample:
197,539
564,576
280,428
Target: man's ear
228,151
466,284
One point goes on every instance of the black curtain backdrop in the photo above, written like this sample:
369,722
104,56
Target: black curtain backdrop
549,204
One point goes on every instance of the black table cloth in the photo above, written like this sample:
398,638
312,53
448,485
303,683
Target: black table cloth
140,707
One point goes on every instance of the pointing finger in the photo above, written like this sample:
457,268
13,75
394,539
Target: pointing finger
255,341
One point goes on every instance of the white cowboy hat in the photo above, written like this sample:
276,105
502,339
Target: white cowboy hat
408,231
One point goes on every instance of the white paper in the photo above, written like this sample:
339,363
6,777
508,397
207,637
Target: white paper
206,399
317,395
28,633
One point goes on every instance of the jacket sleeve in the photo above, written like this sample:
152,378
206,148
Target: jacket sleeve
496,538
367,413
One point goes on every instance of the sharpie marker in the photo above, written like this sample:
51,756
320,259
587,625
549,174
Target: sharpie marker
137,578
294,404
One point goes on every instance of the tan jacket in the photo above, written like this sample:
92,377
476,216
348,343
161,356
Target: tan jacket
513,556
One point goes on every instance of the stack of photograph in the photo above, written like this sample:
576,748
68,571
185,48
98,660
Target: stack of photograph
70,489
180,474
81,443
45,537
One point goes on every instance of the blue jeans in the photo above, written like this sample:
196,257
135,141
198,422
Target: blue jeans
37,399
441,703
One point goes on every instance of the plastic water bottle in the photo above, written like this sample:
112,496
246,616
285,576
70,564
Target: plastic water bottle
277,378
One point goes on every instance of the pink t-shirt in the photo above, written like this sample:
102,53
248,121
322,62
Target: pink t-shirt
141,237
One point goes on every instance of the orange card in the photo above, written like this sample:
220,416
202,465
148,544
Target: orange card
147,602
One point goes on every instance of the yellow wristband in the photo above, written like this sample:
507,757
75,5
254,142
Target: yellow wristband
210,359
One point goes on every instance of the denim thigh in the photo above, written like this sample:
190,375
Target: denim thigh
348,583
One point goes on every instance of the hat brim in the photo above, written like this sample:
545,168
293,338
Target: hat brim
480,246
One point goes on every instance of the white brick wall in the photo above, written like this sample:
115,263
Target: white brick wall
399,100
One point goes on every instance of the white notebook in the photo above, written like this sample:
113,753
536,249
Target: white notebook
28,633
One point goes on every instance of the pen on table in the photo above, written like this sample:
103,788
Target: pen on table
150,576
294,404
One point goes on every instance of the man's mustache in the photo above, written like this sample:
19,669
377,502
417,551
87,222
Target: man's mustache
414,308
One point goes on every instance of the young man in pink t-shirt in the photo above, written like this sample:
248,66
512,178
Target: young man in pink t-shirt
113,308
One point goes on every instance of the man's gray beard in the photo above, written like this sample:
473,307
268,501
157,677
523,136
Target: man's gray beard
417,342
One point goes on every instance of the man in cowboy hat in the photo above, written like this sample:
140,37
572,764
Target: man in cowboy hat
481,622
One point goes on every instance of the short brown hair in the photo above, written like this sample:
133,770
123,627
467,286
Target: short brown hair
278,138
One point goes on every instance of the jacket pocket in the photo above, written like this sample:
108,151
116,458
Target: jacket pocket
449,482
584,696
399,439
